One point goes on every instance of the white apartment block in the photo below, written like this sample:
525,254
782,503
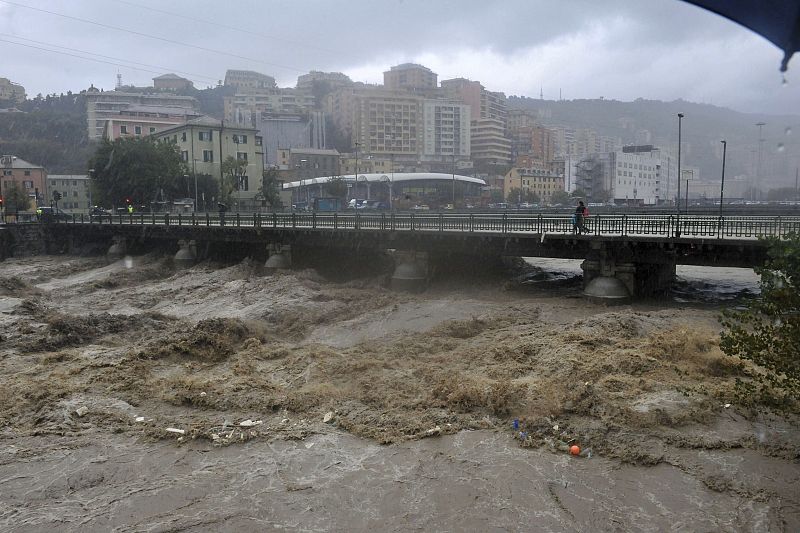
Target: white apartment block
446,129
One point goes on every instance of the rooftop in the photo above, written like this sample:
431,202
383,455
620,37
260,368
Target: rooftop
12,161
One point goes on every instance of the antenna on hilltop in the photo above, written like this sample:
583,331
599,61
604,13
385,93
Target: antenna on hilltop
541,93
119,80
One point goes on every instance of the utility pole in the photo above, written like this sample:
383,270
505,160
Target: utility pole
680,118
757,189
722,183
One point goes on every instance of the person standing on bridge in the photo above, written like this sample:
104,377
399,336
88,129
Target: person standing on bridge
581,213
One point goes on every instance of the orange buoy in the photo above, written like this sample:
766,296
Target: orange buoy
575,449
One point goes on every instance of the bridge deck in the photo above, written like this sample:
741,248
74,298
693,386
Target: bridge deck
645,227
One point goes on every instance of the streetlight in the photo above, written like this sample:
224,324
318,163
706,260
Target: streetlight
680,117
355,187
304,170
454,179
722,183
91,177
757,188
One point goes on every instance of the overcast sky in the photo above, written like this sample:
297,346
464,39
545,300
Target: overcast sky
618,49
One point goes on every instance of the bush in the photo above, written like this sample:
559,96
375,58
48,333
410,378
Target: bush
767,332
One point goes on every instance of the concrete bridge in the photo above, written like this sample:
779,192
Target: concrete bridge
624,255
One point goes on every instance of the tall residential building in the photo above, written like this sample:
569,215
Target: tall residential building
204,143
489,136
334,80
249,81
409,76
379,121
447,130
102,106
307,163
29,177
244,107
11,91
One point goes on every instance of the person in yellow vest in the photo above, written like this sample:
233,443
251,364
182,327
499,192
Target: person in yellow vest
130,209
38,213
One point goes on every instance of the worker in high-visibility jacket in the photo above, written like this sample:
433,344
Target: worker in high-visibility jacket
38,213
130,209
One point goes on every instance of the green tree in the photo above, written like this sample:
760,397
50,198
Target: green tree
767,332
232,172
16,199
270,190
578,193
137,168
560,197
525,195
336,187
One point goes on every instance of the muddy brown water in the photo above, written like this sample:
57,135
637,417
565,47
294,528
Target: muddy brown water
642,388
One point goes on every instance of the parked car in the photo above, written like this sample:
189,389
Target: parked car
421,207
54,213
356,203
374,205
97,212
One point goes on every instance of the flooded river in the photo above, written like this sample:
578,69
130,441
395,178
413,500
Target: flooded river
138,397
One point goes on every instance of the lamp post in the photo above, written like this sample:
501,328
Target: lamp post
757,188
722,183
355,186
454,180
304,171
680,118
91,177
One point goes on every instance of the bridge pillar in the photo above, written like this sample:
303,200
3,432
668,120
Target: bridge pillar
616,273
118,248
280,257
187,254
410,271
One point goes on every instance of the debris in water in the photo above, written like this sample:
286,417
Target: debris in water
727,405
176,430
82,410
575,449
328,417
140,419
249,423
434,431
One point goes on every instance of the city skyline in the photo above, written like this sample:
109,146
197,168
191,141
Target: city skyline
667,50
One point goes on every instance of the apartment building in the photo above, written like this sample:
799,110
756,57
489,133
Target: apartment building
205,142
29,177
11,91
102,106
543,182
447,130
411,77
489,136
142,120
334,80
75,191
244,107
248,81
379,121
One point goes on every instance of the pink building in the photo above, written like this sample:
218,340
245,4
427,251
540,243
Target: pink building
29,177
143,120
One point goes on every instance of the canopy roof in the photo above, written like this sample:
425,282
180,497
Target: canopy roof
397,177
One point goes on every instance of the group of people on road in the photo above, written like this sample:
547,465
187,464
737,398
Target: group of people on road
579,219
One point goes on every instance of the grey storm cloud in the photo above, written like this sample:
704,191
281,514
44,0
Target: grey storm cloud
623,49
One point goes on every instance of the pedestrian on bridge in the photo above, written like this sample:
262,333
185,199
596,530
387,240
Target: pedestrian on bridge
579,217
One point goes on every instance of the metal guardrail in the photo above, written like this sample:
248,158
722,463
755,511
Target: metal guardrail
669,226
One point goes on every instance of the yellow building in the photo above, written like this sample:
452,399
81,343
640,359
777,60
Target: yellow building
543,183
205,142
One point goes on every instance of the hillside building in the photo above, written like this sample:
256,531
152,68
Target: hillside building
29,177
411,77
11,91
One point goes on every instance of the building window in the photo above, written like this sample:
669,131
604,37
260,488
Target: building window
152,129
123,130
183,136
28,184
244,184
208,156
27,172
137,130
259,141
205,136
185,155
175,138
241,156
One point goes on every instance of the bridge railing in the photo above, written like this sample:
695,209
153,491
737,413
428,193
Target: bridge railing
670,226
